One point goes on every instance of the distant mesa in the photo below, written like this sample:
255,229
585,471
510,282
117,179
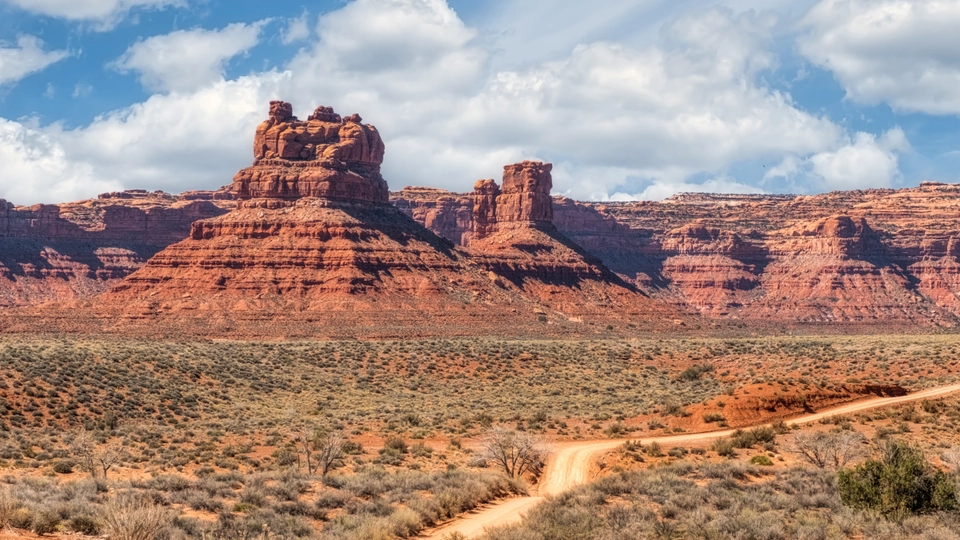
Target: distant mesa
327,157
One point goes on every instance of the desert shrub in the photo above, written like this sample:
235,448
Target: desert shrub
396,443
64,467
677,452
352,448
723,447
129,516
712,417
45,522
21,518
761,460
823,449
421,450
653,449
693,373
749,438
84,525
8,506
332,499
900,483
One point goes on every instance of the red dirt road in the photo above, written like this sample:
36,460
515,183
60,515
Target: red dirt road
570,466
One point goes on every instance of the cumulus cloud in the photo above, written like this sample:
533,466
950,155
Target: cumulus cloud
36,167
867,161
863,161
187,60
106,13
902,52
27,57
663,112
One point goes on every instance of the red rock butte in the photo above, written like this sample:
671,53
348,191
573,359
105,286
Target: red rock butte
327,157
314,247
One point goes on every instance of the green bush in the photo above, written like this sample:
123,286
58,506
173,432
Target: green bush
84,525
46,522
761,460
64,467
723,447
901,483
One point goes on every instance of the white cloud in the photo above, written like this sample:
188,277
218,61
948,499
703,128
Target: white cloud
866,162
105,12
664,112
187,60
902,52
26,58
617,120
863,161
36,167
297,30
664,189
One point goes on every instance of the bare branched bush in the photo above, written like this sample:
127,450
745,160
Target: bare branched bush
516,453
829,449
330,450
952,458
130,517
94,458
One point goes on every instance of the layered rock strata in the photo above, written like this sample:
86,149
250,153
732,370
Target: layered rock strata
327,157
77,250
875,256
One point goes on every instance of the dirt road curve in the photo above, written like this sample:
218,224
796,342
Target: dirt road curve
570,465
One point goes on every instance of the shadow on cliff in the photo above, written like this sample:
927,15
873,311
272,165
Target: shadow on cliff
569,278
400,227
29,258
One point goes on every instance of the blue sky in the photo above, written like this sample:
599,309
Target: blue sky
639,99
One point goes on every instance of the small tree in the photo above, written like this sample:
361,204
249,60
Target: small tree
321,451
516,453
94,458
330,450
900,483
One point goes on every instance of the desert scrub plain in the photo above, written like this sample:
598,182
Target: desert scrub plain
205,437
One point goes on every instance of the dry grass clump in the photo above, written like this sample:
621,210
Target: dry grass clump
130,516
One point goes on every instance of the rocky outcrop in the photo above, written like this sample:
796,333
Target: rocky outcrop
525,199
327,157
448,214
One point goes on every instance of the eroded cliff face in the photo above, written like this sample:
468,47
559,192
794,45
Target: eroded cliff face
77,250
861,256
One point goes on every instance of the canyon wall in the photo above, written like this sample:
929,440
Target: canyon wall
77,250
858,256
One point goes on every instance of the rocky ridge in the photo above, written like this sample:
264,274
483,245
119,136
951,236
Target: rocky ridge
858,257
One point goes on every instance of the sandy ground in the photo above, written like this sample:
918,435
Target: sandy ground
570,465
